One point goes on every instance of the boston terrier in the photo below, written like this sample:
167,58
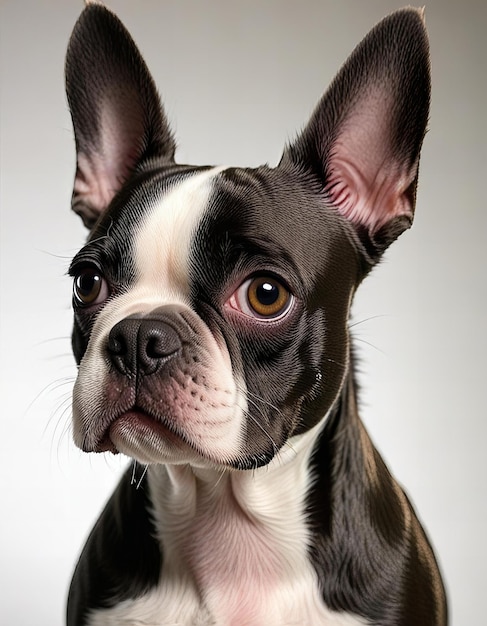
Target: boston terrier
211,309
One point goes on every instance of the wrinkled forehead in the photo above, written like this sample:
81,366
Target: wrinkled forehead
206,222
163,242
146,234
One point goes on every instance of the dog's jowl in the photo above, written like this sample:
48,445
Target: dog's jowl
211,310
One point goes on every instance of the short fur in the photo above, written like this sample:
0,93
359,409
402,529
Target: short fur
263,499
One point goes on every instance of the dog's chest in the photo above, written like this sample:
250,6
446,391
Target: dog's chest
232,557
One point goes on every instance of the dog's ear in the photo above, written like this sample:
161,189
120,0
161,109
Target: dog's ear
117,115
362,143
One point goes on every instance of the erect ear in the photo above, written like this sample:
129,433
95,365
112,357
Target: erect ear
117,115
363,141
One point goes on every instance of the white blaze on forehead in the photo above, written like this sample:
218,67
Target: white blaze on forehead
207,404
161,257
162,246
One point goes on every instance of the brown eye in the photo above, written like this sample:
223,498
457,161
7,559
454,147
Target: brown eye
264,298
89,287
267,297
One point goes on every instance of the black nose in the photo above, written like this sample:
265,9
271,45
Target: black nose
142,345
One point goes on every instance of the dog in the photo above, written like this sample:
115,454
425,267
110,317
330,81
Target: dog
211,309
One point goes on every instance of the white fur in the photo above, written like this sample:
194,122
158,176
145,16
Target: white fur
235,549
162,245
235,543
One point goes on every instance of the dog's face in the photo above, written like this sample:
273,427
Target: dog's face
204,325
211,304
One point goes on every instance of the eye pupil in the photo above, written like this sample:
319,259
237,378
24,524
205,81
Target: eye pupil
267,293
87,286
267,297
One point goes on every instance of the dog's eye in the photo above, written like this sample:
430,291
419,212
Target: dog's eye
262,297
89,287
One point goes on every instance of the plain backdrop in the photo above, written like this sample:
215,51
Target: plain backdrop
239,79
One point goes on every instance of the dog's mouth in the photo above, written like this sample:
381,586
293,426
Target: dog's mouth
137,429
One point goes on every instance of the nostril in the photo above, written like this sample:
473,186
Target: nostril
142,345
117,345
157,342
122,346
152,349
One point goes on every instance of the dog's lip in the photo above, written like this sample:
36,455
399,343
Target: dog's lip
131,422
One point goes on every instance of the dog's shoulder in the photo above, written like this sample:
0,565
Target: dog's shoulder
121,542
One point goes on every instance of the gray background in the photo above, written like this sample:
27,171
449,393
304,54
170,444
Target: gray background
238,79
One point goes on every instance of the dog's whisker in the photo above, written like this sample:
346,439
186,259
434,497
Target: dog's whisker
133,479
142,477
259,425
59,414
63,410
335,362
367,319
259,409
254,399
289,445
248,414
134,467
61,428
371,345
51,340
49,388
106,235
222,474
67,423
263,401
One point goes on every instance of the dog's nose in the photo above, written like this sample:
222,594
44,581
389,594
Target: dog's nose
142,345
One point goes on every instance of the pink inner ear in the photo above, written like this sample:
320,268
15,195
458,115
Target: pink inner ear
364,182
101,173
94,185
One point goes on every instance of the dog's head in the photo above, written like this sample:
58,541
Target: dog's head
211,303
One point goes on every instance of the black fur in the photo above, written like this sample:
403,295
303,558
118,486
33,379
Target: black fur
122,542
368,549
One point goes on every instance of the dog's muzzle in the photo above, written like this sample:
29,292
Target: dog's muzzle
140,346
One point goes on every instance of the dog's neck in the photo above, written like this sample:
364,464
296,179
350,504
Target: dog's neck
183,494
235,530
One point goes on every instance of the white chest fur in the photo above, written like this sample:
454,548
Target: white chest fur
235,549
